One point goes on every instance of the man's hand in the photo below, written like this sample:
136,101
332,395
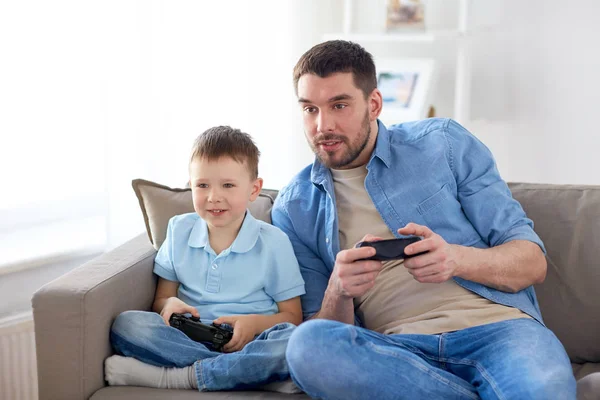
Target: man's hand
174,305
245,328
436,266
352,277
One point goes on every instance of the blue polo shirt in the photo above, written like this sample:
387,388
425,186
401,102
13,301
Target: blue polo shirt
258,270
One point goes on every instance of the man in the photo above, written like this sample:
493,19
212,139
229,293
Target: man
458,322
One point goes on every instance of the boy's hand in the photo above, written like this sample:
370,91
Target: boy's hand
174,305
245,328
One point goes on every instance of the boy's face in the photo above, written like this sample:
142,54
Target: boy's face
221,190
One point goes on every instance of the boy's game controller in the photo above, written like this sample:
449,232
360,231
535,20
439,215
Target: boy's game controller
214,334
390,249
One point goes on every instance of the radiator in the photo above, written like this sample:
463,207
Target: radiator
18,369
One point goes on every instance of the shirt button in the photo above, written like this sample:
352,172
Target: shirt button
326,240
214,266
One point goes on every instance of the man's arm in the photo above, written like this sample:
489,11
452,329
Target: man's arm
350,278
515,259
336,308
509,267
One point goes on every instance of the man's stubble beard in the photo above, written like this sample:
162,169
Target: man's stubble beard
351,154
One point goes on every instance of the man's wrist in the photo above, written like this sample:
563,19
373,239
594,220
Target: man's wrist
463,257
332,295
457,258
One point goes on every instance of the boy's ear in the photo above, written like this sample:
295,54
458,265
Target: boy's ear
256,188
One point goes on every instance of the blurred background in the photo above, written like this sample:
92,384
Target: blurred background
95,94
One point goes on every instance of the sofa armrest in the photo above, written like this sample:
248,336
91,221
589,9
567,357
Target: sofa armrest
73,314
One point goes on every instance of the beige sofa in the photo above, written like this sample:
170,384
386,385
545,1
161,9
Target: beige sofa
73,314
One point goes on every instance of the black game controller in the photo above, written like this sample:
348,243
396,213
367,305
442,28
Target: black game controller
390,249
214,334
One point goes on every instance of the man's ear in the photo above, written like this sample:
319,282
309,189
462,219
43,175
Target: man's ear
375,104
256,188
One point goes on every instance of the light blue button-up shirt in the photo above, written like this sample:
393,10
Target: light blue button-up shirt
258,270
431,172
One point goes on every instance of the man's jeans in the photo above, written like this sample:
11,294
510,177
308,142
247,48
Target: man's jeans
145,336
515,359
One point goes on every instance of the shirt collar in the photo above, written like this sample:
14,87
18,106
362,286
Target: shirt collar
244,242
320,173
382,145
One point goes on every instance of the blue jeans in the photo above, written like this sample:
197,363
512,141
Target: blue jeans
515,359
145,336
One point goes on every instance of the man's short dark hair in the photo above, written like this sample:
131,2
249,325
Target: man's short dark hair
334,56
221,141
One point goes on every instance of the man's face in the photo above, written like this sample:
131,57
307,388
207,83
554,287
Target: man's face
338,120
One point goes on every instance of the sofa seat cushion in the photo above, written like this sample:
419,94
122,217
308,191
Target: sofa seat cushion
141,393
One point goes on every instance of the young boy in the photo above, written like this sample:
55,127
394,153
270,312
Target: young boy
219,264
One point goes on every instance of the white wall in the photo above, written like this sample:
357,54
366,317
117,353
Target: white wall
535,83
537,80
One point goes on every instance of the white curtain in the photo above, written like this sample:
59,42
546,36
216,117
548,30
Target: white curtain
95,94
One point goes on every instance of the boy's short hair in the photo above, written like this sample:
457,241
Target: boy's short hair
334,56
221,141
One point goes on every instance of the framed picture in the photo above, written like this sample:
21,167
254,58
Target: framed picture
404,15
406,86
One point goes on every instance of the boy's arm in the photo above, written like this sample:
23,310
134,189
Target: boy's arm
166,301
289,311
164,290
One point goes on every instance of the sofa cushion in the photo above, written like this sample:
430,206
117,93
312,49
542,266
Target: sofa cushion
159,203
567,219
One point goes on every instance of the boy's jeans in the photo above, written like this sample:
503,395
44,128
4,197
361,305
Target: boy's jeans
515,359
145,336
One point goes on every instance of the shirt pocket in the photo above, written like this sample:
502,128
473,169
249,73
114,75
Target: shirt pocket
433,201
444,215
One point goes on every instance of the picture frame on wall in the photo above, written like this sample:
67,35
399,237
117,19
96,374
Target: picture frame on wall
404,15
406,86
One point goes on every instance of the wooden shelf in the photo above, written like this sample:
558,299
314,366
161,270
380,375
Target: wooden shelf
408,37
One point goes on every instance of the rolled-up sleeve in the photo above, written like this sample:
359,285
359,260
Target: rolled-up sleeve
313,270
484,196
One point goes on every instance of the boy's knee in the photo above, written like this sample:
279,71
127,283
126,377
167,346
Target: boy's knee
131,322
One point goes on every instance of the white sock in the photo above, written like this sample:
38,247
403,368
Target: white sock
127,371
